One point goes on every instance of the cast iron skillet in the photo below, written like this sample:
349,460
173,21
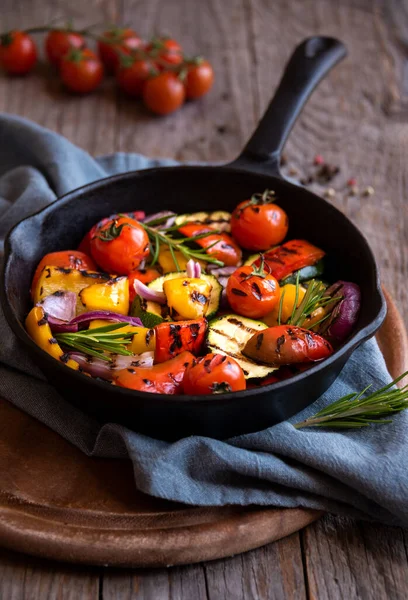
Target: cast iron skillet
186,189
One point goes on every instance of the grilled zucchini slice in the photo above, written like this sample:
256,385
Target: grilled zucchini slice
229,334
218,220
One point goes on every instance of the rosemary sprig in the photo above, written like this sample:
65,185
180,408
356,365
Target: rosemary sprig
162,237
313,299
353,410
96,342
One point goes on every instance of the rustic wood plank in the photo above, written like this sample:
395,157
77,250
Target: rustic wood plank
26,578
160,584
349,559
272,572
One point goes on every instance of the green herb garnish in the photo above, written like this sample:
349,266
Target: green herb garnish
179,244
353,411
96,342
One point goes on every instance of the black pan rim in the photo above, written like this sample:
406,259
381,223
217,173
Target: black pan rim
355,340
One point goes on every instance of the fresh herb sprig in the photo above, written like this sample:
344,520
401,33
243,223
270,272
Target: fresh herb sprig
313,299
157,238
354,410
96,342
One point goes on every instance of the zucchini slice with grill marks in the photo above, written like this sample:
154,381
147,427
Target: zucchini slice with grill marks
218,220
157,286
229,334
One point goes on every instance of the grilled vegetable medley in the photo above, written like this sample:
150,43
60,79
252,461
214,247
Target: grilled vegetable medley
202,303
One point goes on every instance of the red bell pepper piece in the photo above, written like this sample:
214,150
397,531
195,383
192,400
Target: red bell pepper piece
289,257
174,338
218,245
163,378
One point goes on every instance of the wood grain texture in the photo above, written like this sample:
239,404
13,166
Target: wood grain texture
356,119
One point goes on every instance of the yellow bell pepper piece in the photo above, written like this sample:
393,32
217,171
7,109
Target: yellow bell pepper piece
168,265
143,340
39,330
289,291
54,279
112,295
187,297
317,315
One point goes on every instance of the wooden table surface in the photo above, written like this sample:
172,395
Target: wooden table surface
357,119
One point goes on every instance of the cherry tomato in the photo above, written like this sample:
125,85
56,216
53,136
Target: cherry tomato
120,245
286,345
258,224
131,79
85,245
58,43
219,245
18,53
199,79
252,292
115,43
143,275
165,51
164,94
81,71
72,259
213,374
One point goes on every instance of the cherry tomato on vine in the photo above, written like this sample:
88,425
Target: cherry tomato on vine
18,53
58,43
164,94
131,79
165,51
81,71
252,292
199,79
116,42
213,374
119,245
258,224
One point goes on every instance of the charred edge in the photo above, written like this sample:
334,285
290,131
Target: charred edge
207,365
177,342
194,329
53,340
256,291
58,294
147,381
42,321
259,341
220,388
148,336
240,325
64,270
238,292
198,297
279,343
131,371
93,275
64,358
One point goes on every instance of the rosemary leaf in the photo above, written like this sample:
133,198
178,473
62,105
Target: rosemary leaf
356,410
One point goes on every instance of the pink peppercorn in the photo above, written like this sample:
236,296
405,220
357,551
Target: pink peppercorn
318,160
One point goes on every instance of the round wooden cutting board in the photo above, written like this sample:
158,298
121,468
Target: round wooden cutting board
57,503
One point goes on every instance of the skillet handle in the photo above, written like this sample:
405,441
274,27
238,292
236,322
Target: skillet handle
309,64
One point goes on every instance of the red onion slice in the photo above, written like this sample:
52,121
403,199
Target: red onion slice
148,294
58,326
161,215
106,370
222,271
344,315
60,305
193,269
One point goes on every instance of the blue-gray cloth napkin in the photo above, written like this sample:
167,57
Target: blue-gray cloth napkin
356,472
